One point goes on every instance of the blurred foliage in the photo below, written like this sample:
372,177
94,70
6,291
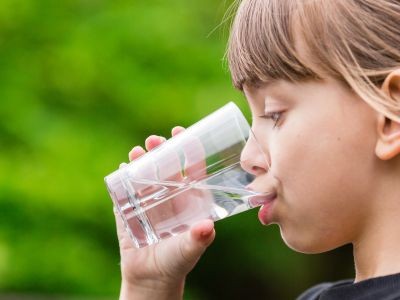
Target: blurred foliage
81,82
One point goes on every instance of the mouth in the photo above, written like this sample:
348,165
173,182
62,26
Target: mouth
263,199
266,200
266,210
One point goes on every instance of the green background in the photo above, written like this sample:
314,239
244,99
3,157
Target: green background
81,82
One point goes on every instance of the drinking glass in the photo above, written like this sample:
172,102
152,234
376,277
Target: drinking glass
195,175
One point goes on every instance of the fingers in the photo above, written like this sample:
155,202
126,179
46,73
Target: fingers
176,130
119,223
153,141
195,158
150,143
170,168
123,237
136,152
193,150
194,243
203,232
173,160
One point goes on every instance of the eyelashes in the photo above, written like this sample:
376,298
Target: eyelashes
274,116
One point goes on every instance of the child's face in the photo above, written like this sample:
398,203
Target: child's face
322,161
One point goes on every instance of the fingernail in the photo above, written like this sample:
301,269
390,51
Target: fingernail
149,138
136,148
206,233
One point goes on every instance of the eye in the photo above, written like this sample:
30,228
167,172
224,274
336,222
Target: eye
275,116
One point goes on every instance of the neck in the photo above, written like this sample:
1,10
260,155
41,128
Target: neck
377,250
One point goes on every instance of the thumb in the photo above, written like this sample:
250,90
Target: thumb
194,242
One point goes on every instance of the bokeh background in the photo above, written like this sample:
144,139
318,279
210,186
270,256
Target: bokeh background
81,82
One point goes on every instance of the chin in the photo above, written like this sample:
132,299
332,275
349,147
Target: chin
307,243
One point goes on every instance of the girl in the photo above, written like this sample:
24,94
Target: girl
322,79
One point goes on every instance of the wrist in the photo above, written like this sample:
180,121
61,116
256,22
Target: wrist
151,289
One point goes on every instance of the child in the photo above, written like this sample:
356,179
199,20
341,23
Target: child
322,79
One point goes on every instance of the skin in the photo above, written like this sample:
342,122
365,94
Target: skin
321,155
334,163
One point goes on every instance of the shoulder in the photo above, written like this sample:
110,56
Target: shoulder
315,291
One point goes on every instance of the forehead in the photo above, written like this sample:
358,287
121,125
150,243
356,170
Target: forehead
312,93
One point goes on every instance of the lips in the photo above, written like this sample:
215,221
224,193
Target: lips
265,212
263,199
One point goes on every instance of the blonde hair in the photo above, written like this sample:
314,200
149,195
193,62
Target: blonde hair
354,41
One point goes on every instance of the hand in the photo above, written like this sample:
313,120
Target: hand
159,270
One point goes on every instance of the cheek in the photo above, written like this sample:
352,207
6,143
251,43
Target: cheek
330,157
324,178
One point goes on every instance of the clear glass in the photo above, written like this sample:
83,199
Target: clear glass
195,175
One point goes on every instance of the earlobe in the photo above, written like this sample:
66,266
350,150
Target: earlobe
388,144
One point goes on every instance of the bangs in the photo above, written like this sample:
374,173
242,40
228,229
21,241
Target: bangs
261,45
354,42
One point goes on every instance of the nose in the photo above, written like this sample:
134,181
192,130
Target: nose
253,158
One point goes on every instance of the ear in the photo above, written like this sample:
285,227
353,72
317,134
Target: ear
388,144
